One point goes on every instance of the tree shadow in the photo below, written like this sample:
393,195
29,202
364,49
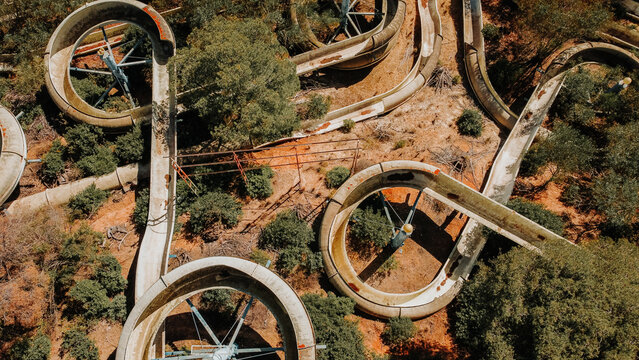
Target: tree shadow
424,350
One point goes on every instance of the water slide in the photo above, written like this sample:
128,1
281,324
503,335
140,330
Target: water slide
13,153
482,211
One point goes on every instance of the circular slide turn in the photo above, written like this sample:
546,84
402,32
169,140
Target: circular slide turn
440,186
66,38
149,312
13,153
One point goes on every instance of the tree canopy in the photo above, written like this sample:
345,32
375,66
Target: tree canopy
237,77
570,303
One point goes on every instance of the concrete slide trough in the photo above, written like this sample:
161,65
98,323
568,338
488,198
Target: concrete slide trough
171,289
13,153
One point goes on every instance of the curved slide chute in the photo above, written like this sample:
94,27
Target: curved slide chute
65,39
13,153
147,317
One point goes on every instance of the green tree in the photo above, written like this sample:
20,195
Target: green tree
87,202
78,248
34,348
342,337
77,344
83,140
240,81
53,162
470,123
571,303
315,107
399,331
622,152
99,163
214,207
258,182
291,236
90,300
141,211
117,308
337,176
552,22
108,273
218,300
578,89
617,197
567,148
491,32
129,147
371,227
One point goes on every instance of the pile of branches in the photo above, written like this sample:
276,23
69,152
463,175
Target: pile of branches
441,79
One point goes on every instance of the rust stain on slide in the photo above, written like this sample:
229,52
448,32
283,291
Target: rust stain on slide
330,59
156,18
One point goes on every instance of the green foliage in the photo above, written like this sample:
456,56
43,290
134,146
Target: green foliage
342,337
554,21
316,107
129,147
622,152
399,144
579,115
620,108
53,162
491,32
571,303
218,300
108,273
533,160
504,73
291,236
131,36
117,309
77,344
348,125
141,211
578,88
260,257
617,197
83,140
470,123
101,162
258,182
90,299
214,207
398,331
87,202
79,247
87,88
34,348
571,195
244,67
337,176
538,214
371,227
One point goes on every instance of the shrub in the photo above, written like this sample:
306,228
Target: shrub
79,247
129,147
533,161
87,88
622,152
90,299
79,346
287,229
571,195
141,211
291,236
577,89
457,79
348,125
504,73
35,348
552,306
99,163
316,107
399,144
371,227
117,309
218,300
398,331
83,140
342,337
53,162
108,273
569,149
258,182
337,176
491,32
87,202
470,123
617,197
214,207
538,214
